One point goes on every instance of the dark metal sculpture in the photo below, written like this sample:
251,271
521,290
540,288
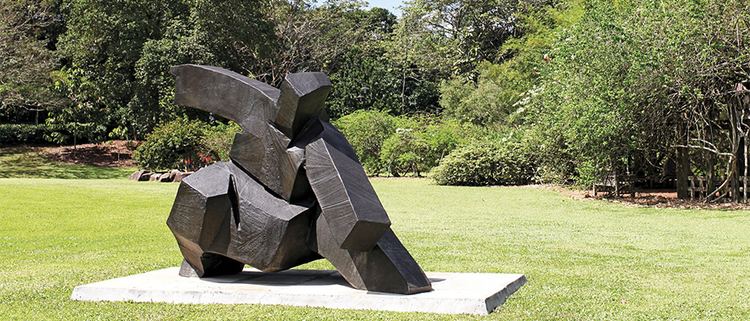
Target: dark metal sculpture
293,192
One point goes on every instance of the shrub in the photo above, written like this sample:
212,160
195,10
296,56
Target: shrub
18,134
366,131
219,139
486,163
176,144
404,152
419,144
402,144
441,139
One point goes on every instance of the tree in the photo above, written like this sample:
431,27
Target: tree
364,80
28,36
120,53
630,83
499,89
316,37
454,36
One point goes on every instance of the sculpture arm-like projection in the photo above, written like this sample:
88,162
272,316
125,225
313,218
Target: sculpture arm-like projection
225,93
349,203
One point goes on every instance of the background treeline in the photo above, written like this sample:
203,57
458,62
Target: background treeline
478,92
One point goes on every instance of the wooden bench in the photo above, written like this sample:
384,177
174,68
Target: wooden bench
611,183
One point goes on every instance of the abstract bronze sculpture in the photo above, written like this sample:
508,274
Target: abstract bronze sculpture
293,192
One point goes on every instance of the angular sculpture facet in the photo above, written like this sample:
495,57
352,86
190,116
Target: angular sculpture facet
293,192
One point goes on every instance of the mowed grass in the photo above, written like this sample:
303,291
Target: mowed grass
23,162
583,259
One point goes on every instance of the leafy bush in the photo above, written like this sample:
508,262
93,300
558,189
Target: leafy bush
490,101
442,138
366,131
400,145
18,134
486,163
404,152
176,144
219,139
419,144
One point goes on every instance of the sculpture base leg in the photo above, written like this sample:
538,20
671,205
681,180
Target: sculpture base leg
388,267
213,265
187,271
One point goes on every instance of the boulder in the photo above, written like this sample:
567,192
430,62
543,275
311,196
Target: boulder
145,177
135,175
141,175
165,178
180,175
172,174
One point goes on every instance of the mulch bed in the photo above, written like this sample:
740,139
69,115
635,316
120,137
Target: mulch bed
650,198
117,153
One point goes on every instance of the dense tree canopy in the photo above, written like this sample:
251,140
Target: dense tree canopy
28,36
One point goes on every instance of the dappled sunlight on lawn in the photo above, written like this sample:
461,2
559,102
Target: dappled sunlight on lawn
27,163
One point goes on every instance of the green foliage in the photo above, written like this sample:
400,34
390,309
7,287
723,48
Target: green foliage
28,29
592,110
501,88
401,145
366,131
441,138
103,42
176,144
404,152
453,36
419,144
598,86
625,82
219,139
120,54
505,162
603,87
364,81
21,134
491,101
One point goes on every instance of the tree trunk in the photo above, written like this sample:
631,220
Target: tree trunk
683,171
744,169
735,172
617,185
710,173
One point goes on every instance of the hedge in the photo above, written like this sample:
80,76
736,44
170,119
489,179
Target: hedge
486,163
20,134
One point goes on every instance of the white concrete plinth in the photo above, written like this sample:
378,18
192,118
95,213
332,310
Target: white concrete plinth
470,293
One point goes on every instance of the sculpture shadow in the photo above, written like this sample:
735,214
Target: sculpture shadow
284,278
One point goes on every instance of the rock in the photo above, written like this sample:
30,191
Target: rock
155,177
172,174
165,178
145,177
180,176
141,175
135,176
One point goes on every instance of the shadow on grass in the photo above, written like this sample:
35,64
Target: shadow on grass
24,162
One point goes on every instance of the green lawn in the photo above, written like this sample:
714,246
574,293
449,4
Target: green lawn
583,259
24,162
